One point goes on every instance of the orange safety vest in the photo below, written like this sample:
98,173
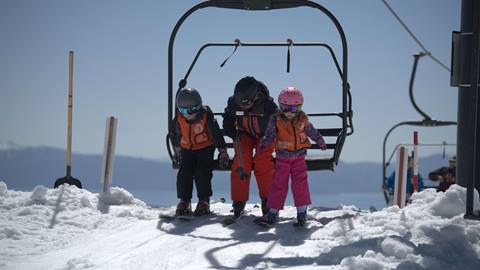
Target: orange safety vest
251,125
291,134
194,135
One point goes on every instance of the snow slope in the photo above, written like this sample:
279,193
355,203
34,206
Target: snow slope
69,228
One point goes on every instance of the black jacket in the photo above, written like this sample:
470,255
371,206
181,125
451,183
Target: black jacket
253,121
443,173
212,127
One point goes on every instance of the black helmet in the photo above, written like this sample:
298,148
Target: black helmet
246,91
188,101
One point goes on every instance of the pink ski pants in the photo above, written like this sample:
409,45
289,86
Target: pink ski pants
284,167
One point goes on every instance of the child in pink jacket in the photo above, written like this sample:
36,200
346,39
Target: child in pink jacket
290,129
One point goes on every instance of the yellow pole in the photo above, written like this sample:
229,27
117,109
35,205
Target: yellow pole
70,105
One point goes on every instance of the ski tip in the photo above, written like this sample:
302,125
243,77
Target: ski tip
166,217
185,218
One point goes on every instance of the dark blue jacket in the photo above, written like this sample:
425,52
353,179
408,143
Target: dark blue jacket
391,183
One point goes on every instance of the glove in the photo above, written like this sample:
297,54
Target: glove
323,146
263,145
177,158
223,158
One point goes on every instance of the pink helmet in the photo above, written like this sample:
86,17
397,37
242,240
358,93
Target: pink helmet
290,96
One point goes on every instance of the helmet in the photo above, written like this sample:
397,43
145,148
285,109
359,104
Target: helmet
290,96
189,100
246,91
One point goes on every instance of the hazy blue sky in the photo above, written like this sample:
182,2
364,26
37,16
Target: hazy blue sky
121,68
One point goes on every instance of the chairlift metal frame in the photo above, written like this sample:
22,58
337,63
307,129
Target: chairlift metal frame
426,122
444,144
346,113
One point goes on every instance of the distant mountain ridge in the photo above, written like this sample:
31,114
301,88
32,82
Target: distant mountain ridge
23,168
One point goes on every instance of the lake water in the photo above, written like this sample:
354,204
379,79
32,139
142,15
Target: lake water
361,200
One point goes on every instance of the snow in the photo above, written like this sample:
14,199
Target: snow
71,228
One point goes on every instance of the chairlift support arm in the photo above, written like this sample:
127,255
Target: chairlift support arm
412,79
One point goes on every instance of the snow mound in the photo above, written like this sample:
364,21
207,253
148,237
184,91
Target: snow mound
47,219
446,204
119,196
71,228
3,188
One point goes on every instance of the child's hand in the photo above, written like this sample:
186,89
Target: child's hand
263,145
323,146
223,158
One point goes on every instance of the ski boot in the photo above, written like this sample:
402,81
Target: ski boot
301,219
184,209
264,207
269,220
238,208
203,208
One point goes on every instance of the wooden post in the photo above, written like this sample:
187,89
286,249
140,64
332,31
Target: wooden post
415,161
399,195
70,108
109,152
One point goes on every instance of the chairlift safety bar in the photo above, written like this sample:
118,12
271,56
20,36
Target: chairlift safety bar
411,144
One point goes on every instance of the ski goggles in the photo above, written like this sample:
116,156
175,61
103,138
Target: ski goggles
290,108
189,110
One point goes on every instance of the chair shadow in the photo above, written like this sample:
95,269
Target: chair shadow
246,232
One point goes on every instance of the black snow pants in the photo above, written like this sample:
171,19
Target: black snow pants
195,165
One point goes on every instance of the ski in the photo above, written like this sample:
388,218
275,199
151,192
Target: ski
232,219
300,225
262,222
173,217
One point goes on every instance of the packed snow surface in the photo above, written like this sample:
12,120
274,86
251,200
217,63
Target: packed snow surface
70,228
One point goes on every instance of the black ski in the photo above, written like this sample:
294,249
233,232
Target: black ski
188,217
300,225
262,222
232,219
173,217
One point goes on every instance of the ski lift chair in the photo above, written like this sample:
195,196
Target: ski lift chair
426,122
339,133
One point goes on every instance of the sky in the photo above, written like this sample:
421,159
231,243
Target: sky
69,228
120,68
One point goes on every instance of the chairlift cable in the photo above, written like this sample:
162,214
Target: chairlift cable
427,52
